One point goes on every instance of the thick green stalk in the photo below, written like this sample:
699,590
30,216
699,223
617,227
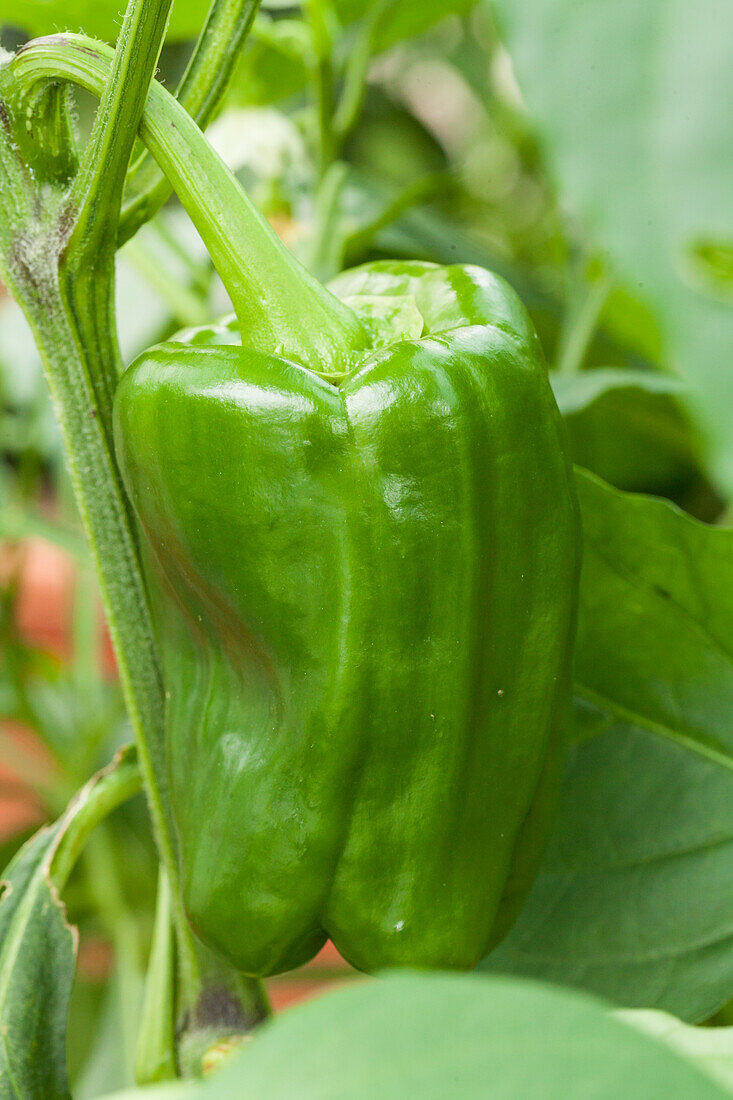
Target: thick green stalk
281,308
57,256
87,259
66,286
279,305
202,87
106,522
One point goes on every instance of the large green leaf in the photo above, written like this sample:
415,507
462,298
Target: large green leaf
438,1036
632,101
634,897
710,1047
629,427
575,392
36,973
38,947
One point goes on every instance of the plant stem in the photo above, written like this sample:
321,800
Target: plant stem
87,284
319,14
60,267
355,77
87,259
102,871
280,307
327,245
576,337
422,190
107,525
155,1057
85,633
197,271
200,91
185,306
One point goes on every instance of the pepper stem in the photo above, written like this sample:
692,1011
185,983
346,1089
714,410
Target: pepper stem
280,307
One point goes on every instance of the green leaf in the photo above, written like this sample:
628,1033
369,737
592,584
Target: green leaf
574,392
633,898
179,1090
403,18
274,64
36,974
710,1047
97,18
37,946
631,112
629,426
435,1036
711,263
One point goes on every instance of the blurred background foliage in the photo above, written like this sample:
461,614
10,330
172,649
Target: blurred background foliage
428,150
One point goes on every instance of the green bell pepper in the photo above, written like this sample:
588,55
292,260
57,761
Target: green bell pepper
365,591
361,552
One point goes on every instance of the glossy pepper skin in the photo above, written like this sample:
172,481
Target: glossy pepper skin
364,591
